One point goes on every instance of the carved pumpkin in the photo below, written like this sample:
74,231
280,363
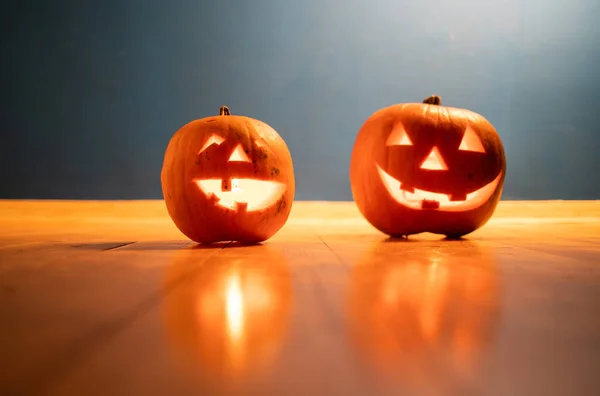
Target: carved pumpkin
423,167
228,178
229,316
424,319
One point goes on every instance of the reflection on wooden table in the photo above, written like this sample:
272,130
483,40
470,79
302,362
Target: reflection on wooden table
416,315
231,314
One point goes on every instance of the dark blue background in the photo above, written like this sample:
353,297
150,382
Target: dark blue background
92,91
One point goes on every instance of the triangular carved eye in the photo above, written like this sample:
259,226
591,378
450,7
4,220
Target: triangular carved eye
471,142
239,155
213,139
398,137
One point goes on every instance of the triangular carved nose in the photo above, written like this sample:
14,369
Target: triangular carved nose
239,155
434,161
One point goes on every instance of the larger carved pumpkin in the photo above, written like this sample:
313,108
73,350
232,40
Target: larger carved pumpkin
423,167
228,178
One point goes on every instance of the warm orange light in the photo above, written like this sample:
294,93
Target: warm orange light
213,139
398,137
470,142
234,301
235,306
231,314
239,154
240,194
415,317
432,298
243,194
416,199
434,161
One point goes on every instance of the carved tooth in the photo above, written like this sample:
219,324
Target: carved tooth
225,185
458,197
407,188
241,207
429,204
213,198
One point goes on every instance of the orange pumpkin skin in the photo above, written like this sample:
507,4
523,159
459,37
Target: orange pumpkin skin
423,167
200,174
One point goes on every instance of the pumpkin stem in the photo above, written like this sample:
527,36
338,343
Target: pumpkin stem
434,100
224,110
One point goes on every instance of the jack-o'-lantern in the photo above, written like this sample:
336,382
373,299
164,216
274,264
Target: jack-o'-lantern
227,315
228,178
424,167
424,319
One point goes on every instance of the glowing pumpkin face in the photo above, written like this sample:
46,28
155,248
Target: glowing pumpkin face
424,167
228,178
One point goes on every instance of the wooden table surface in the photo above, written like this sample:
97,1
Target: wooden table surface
108,298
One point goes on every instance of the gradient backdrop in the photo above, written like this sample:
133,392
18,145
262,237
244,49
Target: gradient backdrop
92,91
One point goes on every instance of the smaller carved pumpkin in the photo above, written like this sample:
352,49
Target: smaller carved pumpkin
423,167
228,178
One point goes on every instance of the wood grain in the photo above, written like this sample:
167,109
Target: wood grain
108,298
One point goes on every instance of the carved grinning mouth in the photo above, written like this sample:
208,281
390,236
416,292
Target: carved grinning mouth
422,199
242,194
